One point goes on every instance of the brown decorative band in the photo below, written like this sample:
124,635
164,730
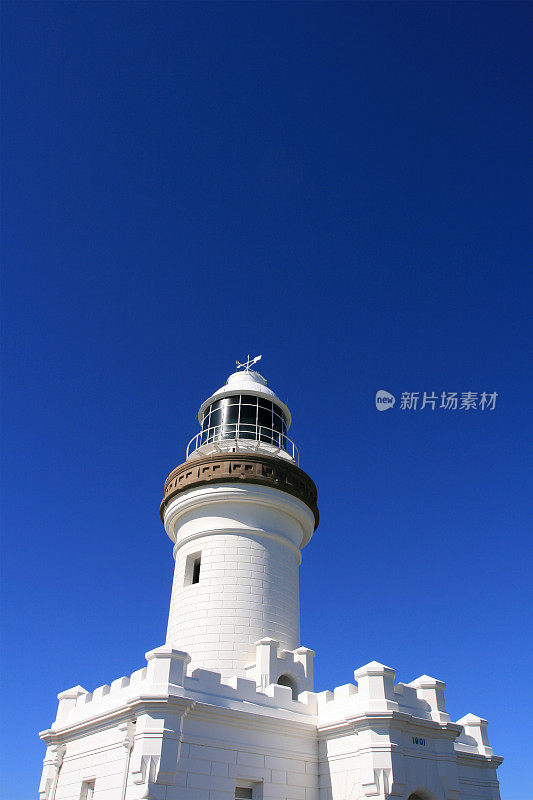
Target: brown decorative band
235,467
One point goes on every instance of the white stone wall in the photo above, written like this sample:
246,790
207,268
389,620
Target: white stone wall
219,754
248,538
100,756
248,587
389,741
196,737
192,737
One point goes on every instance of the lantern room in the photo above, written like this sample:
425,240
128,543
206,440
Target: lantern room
244,414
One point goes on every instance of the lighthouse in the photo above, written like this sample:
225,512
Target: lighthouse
239,510
226,707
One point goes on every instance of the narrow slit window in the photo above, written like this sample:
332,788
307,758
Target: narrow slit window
192,568
87,790
248,790
196,570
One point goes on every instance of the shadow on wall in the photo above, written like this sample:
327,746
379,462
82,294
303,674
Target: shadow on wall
286,680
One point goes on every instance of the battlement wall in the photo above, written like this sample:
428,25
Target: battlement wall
194,731
166,672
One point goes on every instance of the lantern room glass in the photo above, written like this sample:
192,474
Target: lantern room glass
244,417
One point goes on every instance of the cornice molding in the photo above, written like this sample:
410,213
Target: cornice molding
171,703
477,759
252,468
391,719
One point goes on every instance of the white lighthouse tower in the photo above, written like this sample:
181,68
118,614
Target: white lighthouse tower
239,511
226,709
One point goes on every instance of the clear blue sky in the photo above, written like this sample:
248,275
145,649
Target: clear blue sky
344,188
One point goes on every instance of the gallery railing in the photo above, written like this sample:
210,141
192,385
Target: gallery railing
253,433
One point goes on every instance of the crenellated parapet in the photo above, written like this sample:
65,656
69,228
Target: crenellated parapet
373,695
145,714
473,737
166,675
273,663
377,735
374,736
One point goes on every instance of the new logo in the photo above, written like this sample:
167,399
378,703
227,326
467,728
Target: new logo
384,400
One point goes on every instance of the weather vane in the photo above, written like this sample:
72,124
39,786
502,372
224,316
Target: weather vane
248,364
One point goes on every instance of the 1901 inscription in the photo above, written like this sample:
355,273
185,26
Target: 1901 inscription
419,741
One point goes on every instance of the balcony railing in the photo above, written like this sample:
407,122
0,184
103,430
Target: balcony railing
258,434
